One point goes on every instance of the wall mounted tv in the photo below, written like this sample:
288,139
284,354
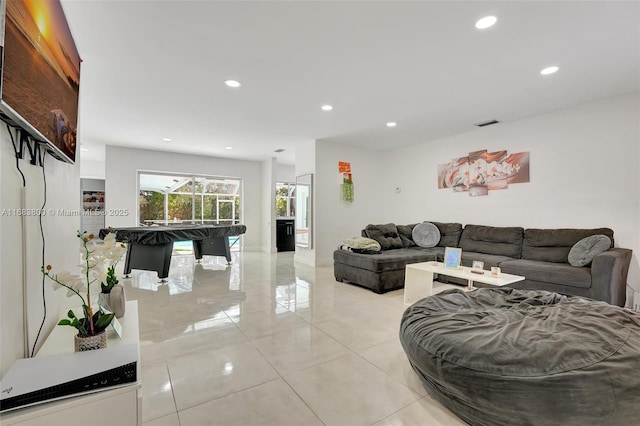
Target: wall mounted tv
40,74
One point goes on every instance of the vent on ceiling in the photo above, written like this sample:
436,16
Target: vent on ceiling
279,150
487,123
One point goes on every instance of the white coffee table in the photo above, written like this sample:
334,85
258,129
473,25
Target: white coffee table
418,280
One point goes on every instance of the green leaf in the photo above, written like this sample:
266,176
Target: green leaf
82,326
70,314
102,322
64,322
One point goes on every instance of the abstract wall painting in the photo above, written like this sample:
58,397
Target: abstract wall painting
482,171
459,174
496,179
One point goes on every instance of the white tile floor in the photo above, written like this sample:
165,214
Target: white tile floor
267,342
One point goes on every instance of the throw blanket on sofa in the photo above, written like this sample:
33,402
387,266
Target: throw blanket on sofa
361,245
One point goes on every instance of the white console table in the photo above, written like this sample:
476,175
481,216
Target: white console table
118,406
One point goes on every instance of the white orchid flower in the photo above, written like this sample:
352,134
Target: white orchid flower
97,251
117,253
96,260
99,272
69,280
110,239
63,277
78,284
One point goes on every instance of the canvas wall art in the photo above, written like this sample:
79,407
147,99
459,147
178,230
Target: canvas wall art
482,171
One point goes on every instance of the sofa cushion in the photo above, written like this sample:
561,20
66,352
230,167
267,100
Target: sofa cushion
449,234
553,245
387,235
406,235
500,241
426,234
549,272
387,260
583,252
489,259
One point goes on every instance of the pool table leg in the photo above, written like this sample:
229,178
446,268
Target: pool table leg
216,246
149,258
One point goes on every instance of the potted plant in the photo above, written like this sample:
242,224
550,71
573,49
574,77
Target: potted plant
112,296
91,326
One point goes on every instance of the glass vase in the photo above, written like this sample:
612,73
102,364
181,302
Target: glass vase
114,301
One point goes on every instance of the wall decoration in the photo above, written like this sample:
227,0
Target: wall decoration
495,178
478,173
482,171
518,167
347,181
459,174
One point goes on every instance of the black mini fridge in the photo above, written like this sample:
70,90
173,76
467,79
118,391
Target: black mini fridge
286,234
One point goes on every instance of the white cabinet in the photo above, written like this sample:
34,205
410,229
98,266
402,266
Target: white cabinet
120,406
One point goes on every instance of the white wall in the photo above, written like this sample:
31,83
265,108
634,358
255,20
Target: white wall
92,169
121,193
336,219
63,192
584,163
269,206
285,173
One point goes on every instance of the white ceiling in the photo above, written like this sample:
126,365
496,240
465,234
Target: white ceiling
155,69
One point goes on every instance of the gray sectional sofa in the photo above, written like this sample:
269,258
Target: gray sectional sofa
540,255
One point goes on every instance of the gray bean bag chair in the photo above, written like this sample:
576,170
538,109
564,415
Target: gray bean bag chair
500,356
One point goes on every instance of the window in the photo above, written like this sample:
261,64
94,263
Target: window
285,199
167,199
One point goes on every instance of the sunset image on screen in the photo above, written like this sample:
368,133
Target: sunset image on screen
41,74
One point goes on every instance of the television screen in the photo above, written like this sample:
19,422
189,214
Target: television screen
40,74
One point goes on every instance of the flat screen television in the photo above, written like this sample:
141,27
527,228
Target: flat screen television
40,74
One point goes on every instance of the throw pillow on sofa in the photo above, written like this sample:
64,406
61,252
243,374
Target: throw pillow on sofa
387,235
426,234
406,232
583,252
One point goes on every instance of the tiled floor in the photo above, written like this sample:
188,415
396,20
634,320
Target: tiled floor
264,342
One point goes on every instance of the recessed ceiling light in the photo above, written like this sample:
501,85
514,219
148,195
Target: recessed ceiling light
228,147
166,139
392,124
327,107
232,83
486,22
549,70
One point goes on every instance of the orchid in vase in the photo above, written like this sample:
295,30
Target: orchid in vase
98,260
113,251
